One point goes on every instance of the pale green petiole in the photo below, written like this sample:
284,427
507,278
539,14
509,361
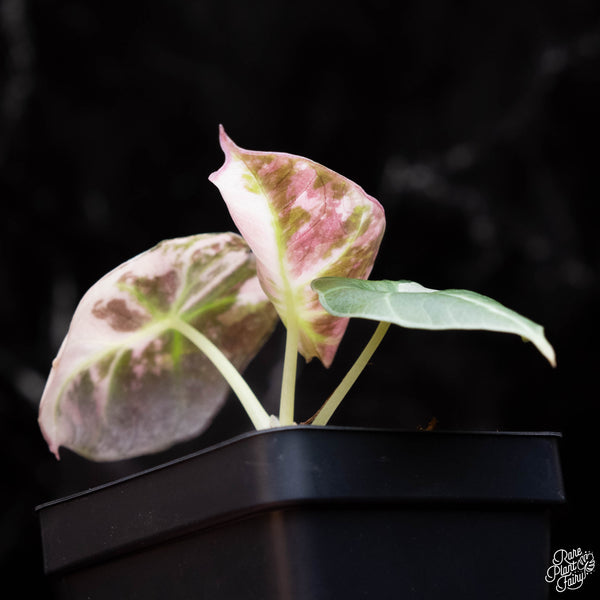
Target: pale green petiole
327,410
288,384
259,417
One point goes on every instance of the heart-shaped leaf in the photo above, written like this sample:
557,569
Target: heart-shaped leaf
302,221
409,304
127,380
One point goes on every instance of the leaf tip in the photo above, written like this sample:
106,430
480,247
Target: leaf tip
551,356
222,135
545,348
228,146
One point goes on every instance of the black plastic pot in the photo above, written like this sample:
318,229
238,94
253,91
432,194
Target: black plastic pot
317,513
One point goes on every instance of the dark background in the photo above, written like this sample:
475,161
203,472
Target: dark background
474,123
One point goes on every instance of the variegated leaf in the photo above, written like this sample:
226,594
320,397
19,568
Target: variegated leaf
302,221
126,381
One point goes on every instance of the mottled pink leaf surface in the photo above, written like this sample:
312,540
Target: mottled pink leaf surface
126,382
302,221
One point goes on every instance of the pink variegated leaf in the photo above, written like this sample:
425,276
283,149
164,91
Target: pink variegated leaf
302,221
126,380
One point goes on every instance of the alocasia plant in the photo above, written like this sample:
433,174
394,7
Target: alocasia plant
155,345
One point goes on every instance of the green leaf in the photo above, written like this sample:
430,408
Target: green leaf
129,378
409,304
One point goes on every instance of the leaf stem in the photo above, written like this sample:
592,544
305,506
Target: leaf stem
327,410
258,415
288,383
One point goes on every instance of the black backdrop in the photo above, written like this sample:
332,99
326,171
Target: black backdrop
475,124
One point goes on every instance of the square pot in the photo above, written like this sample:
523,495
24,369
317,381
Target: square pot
317,513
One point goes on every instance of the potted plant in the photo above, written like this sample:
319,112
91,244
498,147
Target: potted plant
290,511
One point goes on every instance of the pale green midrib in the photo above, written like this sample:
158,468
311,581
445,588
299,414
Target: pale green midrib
514,322
493,307
157,315
87,452
518,323
509,316
180,299
140,298
159,324
191,315
156,327
150,330
172,322
292,324
109,376
290,292
289,296
183,293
